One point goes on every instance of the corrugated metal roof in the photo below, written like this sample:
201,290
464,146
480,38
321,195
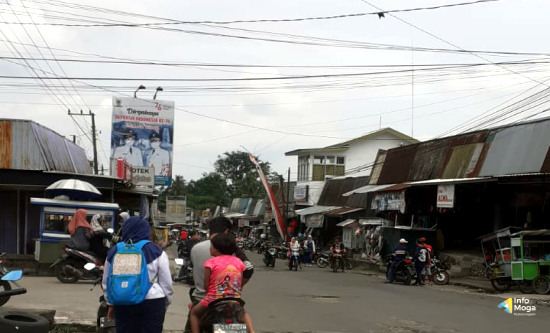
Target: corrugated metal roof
379,187
397,165
334,188
396,187
30,146
377,167
315,210
463,161
374,221
451,181
519,149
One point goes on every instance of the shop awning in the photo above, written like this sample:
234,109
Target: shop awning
315,210
374,221
362,189
440,181
396,187
233,215
378,188
343,211
345,222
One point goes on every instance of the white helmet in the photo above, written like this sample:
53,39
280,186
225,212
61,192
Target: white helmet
262,236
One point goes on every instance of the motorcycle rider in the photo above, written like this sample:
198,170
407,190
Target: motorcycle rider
293,246
80,231
427,271
201,253
337,245
399,251
188,245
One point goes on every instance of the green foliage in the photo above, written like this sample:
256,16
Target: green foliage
235,176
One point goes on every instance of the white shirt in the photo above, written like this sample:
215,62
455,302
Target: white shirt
160,160
130,154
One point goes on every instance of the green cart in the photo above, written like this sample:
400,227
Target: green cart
518,257
530,264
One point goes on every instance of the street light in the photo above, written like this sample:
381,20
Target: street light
139,88
158,89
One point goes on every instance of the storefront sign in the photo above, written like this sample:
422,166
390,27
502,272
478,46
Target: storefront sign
445,196
142,135
315,220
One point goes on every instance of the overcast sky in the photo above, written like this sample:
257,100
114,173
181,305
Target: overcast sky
280,85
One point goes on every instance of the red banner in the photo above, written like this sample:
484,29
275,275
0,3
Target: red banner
274,206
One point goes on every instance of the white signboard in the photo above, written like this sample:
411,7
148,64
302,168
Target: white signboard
143,135
445,196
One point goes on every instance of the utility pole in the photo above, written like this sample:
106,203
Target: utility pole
90,113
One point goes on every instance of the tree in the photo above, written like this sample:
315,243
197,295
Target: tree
208,192
240,174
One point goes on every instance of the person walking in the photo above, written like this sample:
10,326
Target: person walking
147,316
421,256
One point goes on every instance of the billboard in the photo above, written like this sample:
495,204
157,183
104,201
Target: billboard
143,135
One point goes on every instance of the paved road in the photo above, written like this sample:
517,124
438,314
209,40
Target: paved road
316,300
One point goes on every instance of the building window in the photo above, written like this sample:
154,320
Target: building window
303,168
328,166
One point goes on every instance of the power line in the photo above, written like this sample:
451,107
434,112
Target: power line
315,18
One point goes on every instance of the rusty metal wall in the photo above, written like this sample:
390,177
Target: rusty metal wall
26,153
398,164
26,145
5,145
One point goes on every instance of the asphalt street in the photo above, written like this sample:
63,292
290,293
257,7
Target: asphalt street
316,300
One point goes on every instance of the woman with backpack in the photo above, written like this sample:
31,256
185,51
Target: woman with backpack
144,312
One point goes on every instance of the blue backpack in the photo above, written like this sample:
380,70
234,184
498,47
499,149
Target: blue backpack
128,280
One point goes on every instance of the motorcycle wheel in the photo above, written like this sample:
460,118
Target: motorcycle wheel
63,275
4,286
441,277
488,272
336,265
259,250
541,285
273,262
501,284
407,277
321,262
295,264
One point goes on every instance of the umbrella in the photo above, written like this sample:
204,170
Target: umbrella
74,188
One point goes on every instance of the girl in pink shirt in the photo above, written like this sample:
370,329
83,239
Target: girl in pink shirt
222,279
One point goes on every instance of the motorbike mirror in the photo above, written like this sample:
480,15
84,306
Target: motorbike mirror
13,275
110,230
89,266
179,261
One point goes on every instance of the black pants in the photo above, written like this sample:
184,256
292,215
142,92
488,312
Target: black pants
145,317
418,267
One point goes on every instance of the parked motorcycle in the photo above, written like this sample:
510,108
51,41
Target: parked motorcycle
439,271
185,272
403,271
7,279
270,256
322,259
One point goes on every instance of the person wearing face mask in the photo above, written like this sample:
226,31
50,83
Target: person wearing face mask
129,153
159,158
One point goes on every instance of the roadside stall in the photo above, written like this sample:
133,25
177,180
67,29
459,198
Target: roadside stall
55,215
519,258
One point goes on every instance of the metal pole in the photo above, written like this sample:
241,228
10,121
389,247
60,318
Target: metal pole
96,171
287,193
94,140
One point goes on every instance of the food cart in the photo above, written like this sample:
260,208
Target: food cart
530,264
518,257
55,215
